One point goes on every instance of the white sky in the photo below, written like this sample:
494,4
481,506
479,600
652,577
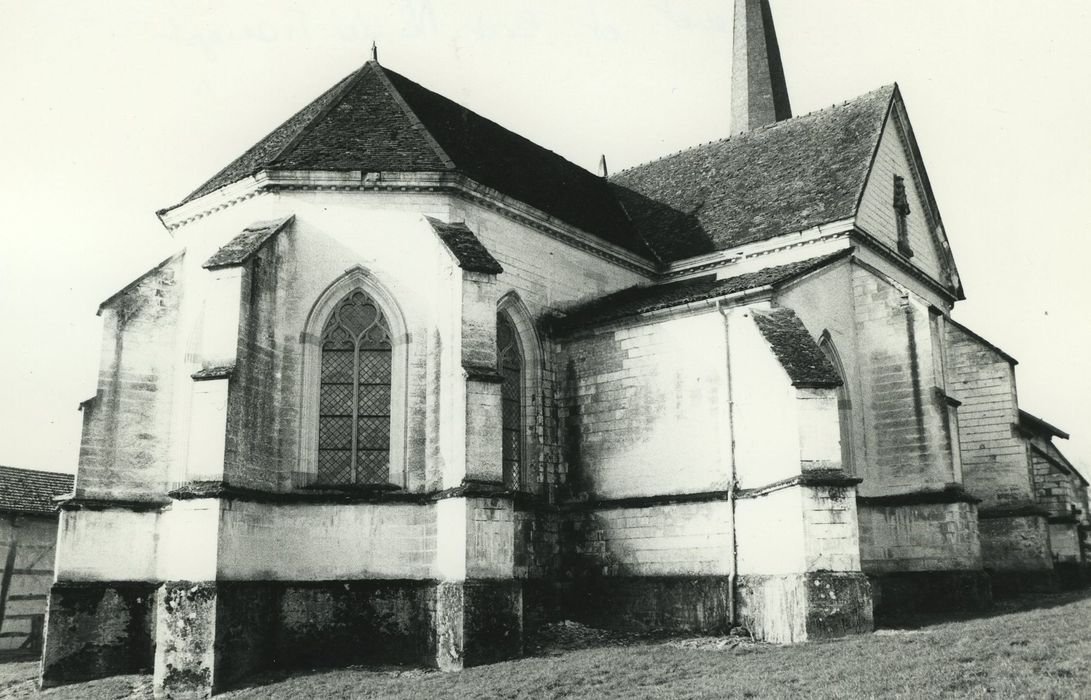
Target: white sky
110,111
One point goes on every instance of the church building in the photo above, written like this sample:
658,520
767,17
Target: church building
413,385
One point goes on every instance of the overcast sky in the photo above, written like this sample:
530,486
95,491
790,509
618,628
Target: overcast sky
112,110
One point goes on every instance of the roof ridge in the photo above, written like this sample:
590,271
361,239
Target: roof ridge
493,122
875,147
767,127
32,470
341,89
414,118
221,171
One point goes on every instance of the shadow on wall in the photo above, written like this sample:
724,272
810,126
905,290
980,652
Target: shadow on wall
1006,606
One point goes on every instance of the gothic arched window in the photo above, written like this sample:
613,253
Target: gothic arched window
844,403
354,394
510,364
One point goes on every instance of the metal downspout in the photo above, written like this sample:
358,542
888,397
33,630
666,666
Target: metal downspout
734,485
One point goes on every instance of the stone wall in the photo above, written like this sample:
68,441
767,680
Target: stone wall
1015,543
125,446
253,426
995,463
685,539
1055,489
644,411
546,276
876,213
908,434
923,537
95,630
320,542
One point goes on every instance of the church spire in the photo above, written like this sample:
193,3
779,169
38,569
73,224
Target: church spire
759,95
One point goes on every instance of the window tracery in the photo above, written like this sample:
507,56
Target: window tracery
354,416
510,365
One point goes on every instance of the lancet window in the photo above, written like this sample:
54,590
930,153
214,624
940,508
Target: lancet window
354,395
511,366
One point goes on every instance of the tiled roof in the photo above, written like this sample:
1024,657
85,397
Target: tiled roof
376,120
782,178
239,249
638,300
263,152
31,491
465,246
1035,424
796,350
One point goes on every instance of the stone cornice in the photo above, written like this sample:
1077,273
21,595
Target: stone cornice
756,295
266,181
151,503
1013,510
820,477
951,493
733,256
861,235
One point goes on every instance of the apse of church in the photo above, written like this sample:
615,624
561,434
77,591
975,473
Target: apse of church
396,400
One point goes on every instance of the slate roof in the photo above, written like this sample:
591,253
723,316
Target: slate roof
796,350
781,178
240,248
376,120
1034,423
638,300
466,247
32,491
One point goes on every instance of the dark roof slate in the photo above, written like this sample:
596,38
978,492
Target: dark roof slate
785,177
243,246
796,350
517,167
638,300
1033,423
265,151
376,120
32,491
468,250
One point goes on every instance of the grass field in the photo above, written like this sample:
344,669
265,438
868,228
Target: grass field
1041,652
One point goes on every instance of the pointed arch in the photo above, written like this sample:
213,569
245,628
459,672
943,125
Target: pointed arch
356,324
519,361
844,402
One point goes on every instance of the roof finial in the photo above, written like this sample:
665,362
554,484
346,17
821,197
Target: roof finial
603,172
374,51
759,94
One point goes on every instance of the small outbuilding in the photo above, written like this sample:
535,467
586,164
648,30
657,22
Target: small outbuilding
28,539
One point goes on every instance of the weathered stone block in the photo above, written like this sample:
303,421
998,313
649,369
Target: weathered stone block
792,608
645,603
185,658
493,621
96,630
246,629
337,623
478,622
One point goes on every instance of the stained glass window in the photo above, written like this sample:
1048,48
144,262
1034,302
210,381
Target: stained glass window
510,364
354,397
